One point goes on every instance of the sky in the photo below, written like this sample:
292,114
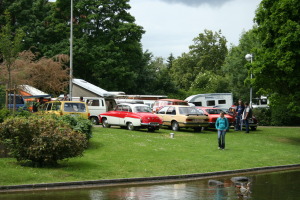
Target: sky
171,25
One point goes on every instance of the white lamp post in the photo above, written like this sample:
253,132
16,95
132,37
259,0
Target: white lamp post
71,52
249,57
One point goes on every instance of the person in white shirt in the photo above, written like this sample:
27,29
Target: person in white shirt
246,116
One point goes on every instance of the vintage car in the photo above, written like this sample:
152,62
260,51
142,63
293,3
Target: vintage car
66,108
132,116
158,104
180,116
213,114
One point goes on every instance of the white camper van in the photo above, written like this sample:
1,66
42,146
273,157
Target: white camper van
97,105
220,100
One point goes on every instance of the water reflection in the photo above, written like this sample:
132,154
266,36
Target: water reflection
279,185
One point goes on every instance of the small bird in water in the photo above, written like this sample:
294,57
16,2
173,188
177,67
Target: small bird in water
244,191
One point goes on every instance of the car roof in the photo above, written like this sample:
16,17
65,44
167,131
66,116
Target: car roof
133,104
179,106
207,107
174,100
66,101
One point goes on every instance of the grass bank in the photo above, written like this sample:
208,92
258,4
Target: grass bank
118,153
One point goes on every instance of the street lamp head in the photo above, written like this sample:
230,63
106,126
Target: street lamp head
248,57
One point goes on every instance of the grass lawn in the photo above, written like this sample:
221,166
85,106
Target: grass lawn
118,153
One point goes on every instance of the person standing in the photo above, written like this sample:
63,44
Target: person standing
246,116
222,125
238,119
66,98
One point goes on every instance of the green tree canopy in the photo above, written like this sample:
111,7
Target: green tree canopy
277,65
206,54
106,44
237,68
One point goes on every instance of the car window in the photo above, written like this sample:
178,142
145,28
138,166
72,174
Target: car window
201,111
74,107
119,108
126,108
163,110
142,109
213,111
19,99
49,106
56,106
93,102
189,111
171,111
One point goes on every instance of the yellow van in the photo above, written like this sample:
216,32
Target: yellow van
66,108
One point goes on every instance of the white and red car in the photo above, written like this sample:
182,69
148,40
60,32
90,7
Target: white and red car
132,116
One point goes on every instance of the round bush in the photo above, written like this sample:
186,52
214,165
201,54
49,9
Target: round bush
41,139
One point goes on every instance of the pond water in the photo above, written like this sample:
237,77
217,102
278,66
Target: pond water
281,185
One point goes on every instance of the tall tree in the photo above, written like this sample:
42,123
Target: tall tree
10,46
237,69
107,49
209,49
277,65
206,54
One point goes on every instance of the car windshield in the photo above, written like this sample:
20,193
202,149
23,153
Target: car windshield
19,100
213,111
74,107
142,109
188,111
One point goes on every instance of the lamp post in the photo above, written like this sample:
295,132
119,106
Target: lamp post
71,52
249,57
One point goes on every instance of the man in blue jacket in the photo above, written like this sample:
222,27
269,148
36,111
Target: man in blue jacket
238,119
222,125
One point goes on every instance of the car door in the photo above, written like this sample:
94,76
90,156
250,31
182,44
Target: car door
126,111
170,115
113,117
162,114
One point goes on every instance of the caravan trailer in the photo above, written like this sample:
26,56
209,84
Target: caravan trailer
220,100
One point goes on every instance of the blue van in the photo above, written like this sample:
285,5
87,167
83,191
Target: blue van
20,102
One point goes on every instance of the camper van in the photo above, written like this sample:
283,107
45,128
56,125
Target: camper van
220,100
97,105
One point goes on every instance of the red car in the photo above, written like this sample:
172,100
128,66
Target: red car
132,116
213,114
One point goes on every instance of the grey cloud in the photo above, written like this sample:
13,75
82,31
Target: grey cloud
214,3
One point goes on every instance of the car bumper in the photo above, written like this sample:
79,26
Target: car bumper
151,124
191,125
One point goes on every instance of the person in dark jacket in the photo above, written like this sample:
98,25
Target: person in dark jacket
238,119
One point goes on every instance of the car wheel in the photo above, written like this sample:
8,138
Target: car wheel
198,129
253,128
175,126
95,120
151,129
105,123
130,126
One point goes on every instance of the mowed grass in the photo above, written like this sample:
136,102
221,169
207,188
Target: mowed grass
118,153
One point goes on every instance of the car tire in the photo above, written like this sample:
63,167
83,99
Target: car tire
253,128
151,129
198,129
105,123
95,120
130,126
175,126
